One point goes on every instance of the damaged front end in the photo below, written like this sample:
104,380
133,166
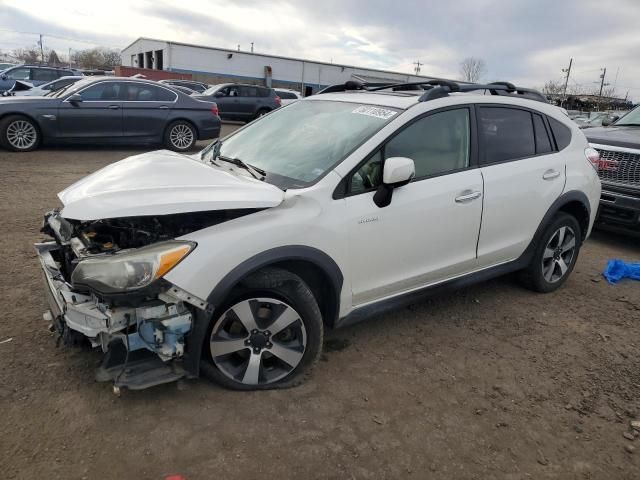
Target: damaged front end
104,282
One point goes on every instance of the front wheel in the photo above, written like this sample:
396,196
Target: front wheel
269,334
19,133
180,136
555,255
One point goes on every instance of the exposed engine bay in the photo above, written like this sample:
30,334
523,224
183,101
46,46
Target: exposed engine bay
153,317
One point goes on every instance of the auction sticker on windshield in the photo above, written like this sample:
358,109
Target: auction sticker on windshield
377,112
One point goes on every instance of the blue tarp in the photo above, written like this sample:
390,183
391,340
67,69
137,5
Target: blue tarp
616,270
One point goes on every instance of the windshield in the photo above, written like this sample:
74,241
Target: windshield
631,118
297,144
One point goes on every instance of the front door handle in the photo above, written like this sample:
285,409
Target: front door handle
468,196
550,174
163,107
114,107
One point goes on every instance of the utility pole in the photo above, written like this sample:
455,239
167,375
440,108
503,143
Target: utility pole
602,75
41,48
566,81
251,47
417,68
69,57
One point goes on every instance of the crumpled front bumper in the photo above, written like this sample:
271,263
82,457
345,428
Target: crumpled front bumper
78,311
152,329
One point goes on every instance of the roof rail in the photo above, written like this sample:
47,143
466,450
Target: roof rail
438,88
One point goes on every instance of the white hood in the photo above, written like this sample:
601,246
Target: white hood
161,183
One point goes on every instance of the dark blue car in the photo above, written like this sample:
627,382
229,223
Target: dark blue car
108,110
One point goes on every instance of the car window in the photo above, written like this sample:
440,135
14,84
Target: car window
19,74
437,144
43,75
561,133
507,134
368,176
543,142
286,95
141,92
65,73
264,92
248,91
104,92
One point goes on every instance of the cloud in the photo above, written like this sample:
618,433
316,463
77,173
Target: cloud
522,41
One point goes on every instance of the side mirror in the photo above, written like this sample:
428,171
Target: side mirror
75,98
4,77
218,94
398,171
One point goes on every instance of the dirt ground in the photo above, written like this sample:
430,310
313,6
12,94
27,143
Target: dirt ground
490,382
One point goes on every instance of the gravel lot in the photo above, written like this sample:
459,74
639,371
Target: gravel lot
489,382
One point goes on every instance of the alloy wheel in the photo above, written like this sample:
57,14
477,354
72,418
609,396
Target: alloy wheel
258,341
558,254
21,134
181,136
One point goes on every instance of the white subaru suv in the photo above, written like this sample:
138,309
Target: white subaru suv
232,262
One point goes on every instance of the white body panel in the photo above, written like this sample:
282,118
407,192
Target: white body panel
422,238
161,183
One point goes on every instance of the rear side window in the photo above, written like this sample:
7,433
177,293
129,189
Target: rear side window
248,91
286,95
543,142
507,134
148,93
561,133
43,75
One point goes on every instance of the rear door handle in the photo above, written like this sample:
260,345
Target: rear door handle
163,107
468,196
114,107
550,174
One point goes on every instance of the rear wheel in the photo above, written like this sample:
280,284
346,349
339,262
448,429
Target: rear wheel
180,136
555,255
19,133
261,112
269,334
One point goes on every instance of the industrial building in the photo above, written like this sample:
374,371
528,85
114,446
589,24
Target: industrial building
218,65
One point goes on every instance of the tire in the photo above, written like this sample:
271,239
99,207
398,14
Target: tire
555,255
261,112
19,133
180,136
271,298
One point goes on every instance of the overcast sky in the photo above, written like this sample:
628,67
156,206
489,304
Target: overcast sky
524,41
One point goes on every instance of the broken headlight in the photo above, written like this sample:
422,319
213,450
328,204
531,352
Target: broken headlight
130,270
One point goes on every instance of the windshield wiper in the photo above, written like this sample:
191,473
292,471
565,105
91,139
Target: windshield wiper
239,163
627,124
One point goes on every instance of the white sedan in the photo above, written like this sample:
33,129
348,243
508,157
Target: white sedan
48,87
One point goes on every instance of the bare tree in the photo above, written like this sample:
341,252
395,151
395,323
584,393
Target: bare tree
97,58
553,87
27,55
53,59
472,69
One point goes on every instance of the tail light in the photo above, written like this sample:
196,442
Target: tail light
593,156
278,100
214,109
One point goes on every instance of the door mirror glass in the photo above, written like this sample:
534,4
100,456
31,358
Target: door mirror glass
75,98
608,121
398,171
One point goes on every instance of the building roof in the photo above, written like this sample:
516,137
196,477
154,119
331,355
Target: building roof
227,50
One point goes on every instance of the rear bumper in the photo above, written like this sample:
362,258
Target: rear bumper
620,207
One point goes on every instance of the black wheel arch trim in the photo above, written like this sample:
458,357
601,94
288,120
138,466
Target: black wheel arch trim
561,201
273,256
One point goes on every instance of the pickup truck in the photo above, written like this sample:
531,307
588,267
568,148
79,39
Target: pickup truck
618,143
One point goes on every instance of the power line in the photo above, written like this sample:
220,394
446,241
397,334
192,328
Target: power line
60,37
